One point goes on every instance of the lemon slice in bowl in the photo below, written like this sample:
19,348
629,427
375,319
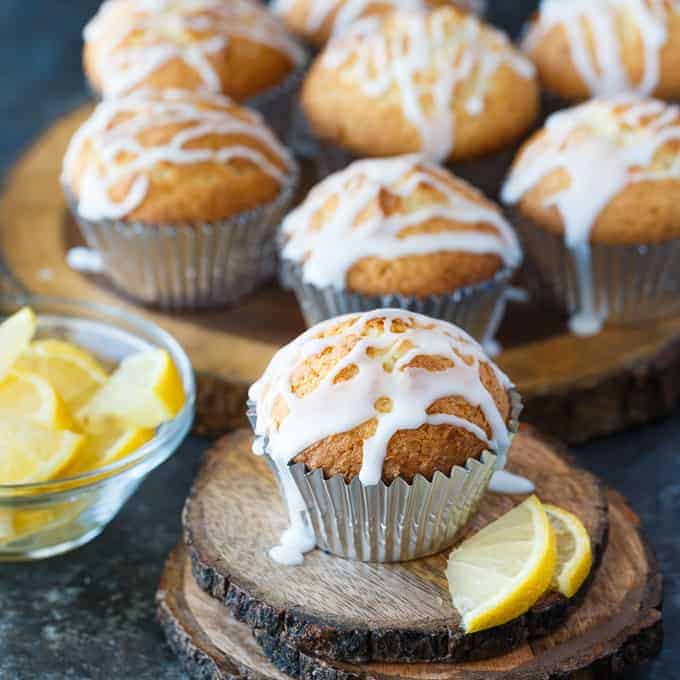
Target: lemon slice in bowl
112,442
31,453
15,335
574,552
500,573
27,395
144,391
74,374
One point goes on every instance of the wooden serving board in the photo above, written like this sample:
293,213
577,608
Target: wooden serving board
573,388
352,611
616,625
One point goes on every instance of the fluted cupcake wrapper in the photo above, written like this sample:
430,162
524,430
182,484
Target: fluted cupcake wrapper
399,521
180,267
478,309
630,283
279,103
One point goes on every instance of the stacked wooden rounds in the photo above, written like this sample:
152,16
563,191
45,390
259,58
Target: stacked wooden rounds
228,611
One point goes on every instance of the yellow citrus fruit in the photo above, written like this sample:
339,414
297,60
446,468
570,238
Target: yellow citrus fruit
74,374
15,335
574,552
27,395
31,453
501,572
145,391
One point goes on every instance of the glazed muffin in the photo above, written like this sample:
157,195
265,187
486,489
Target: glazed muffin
442,82
584,49
315,22
596,198
231,47
399,232
380,404
181,193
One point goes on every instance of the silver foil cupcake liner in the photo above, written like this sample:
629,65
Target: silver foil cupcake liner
478,309
630,283
394,522
279,103
184,267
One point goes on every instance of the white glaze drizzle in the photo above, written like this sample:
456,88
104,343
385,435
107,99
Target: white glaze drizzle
166,26
114,130
603,69
604,146
506,482
425,57
348,11
358,228
335,407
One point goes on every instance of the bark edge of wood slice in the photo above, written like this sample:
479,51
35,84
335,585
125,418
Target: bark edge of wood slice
351,611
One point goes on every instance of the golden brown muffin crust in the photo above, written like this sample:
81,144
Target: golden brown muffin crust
646,211
340,111
185,193
552,54
423,450
244,65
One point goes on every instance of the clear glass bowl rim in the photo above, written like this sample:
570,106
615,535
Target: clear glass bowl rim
167,435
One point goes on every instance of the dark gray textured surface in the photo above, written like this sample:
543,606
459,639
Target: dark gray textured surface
90,614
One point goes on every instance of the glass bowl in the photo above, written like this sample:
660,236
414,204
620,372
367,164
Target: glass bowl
49,518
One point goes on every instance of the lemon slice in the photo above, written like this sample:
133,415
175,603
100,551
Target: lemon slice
26,395
15,335
145,391
113,442
74,374
31,453
500,573
574,553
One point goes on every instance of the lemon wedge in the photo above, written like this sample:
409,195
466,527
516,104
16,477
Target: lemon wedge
574,553
145,391
74,374
500,573
31,453
15,335
26,395
111,443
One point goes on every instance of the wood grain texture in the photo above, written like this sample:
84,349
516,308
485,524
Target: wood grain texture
574,388
616,627
353,611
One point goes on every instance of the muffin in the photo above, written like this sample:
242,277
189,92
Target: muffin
315,22
230,47
599,49
384,429
181,193
399,232
596,200
441,82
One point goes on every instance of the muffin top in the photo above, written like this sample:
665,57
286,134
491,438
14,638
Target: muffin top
398,225
607,171
381,395
173,157
233,47
585,48
316,20
441,82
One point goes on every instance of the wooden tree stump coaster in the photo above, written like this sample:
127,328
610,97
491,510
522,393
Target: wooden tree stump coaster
353,611
573,388
618,625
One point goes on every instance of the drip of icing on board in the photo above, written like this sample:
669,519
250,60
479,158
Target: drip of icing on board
603,146
324,412
167,24
114,131
425,56
355,230
602,66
